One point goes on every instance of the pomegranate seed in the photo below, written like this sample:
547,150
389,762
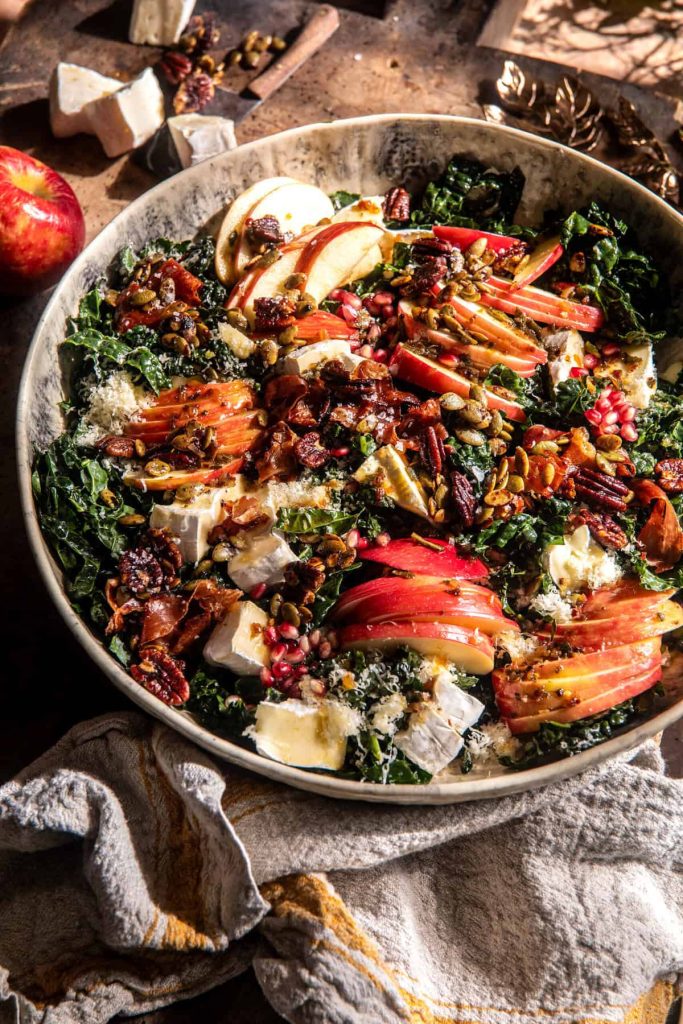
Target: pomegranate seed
609,418
332,638
287,631
354,344
383,298
258,591
336,294
339,453
305,644
352,538
277,652
593,416
266,676
351,299
281,670
372,307
611,350
577,371
349,314
373,333
448,359
314,638
391,322
365,351
611,428
270,636
603,404
380,355
590,361
325,650
629,432
363,542
382,539
295,657
628,414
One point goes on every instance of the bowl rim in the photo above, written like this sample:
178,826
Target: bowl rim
466,788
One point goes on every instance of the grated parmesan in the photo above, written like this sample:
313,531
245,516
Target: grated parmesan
489,742
553,606
520,646
112,405
385,714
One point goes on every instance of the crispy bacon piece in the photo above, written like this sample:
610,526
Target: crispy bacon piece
214,598
278,458
244,514
538,433
670,475
162,675
662,536
161,617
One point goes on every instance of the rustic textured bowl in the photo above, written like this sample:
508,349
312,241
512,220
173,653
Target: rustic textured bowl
363,155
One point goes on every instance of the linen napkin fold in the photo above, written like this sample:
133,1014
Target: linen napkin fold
134,871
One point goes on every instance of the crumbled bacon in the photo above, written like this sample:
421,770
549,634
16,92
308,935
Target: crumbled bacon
278,457
310,452
274,313
161,616
162,675
243,514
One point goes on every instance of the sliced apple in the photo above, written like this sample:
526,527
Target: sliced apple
260,282
208,475
386,587
469,649
543,257
233,221
337,255
412,556
323,326
596,634
506,336
432,376
543,306
221,419
463,238
294,205
627,598
199,391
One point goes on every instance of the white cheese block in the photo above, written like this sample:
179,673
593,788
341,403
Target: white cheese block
197,137
580,562
73,90
238,343
633,371
429,741
307,357
304,735
263,561
460,708
159,22
129,116
192,521
367,208
398,479
236,643
565,352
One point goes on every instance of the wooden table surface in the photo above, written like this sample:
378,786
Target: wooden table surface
415,56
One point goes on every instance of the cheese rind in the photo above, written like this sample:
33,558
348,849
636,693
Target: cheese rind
236,643
307,357
159,22
73,90
304,735
397,479
128,117
198,137
191,521
429,741
460,708
565,353
263,561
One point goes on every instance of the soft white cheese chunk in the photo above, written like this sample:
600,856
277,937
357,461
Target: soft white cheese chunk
238,343
367,208
552,606
307,357
191,521
263,561
198,137
129,116
73,90
565,352
397,479
633,371
430,741
460,708
580,562
159,22
304,735
236,643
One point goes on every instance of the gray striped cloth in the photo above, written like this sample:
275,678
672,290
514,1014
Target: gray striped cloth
134,872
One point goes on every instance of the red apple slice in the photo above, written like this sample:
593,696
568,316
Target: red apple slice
261,282
502,332
626,599
543,257
597,634
233,221
411,556
323,326
476,597
331,257
430,375
468,649
224,421
211,476
542,305
462,238
199,391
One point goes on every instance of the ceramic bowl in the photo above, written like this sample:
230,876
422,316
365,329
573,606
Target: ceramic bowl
363,155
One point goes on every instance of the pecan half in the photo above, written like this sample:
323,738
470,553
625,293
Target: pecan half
605,529
462,496
396,205
670,475
597,488
432,450
264,231
118,447
274,313
176,66
310,452
166,551
162,675
430,246
140,571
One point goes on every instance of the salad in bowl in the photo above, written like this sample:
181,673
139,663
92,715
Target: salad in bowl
381,486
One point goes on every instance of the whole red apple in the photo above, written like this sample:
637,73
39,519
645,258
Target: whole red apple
41,224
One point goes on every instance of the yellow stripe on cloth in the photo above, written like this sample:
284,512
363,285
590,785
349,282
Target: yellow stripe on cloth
312,900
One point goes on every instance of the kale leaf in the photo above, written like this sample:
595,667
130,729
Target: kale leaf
341,198
565,740
470,194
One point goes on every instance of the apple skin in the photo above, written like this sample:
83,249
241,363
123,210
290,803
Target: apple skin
467,648
462,238
542,306
209,475
430,375
42,229
540,260
224,421
595,634
504,335
411,556
628,598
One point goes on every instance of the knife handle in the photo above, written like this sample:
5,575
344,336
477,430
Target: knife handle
317,30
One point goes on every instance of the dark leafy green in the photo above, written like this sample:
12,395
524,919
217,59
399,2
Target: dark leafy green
341,198
553,738
470,194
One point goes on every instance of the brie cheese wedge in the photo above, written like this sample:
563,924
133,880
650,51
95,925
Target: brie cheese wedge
128,117
263,561
197,137
73,90
192,521
159,22
304,735
565,352
236,643
460,708
307,357
580,562
430,741
397,479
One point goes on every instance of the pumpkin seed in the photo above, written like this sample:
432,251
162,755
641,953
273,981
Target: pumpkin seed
278,43
269,352
131,519
432,319
477,248
221,553
608,442
521,462
452,324
483,516
440,515
275,604
515,484
477,394
269,257
287,336
188,491
140,448
290,613
142,296
237,319
497,498
452,402
473,413
545,448
497,423
503,474
473,437
548,474
157,467
295,281
108,497
605,464
440,495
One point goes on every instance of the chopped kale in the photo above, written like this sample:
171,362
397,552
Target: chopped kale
341,198
554,738
470,194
